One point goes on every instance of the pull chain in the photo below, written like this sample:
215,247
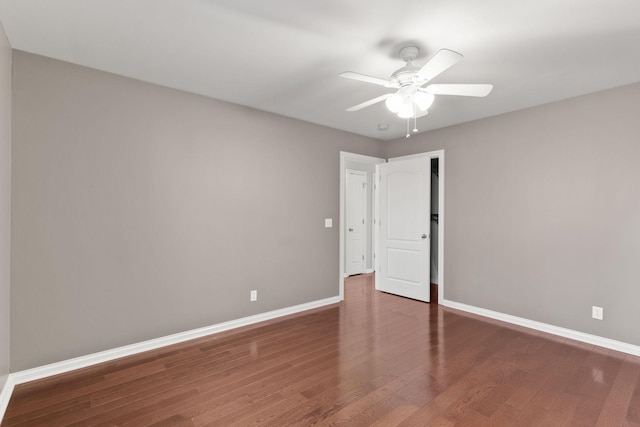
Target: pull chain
415,123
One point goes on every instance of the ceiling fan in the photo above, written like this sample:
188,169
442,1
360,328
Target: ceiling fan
412,99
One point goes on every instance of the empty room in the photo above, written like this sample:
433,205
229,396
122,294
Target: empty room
390,213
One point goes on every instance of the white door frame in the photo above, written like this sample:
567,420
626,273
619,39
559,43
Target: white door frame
439,154
374,222
344,157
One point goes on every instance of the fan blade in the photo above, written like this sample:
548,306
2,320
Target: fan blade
478,90
441,61
367,79
369,102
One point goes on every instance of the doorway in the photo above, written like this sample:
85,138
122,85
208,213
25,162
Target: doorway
365,165
435,214
437,242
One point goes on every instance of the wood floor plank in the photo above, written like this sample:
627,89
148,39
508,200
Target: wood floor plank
395,416
374,360
633,412
504,416
616,405
377,403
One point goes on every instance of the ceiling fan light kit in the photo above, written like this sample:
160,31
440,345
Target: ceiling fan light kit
412,100
408,99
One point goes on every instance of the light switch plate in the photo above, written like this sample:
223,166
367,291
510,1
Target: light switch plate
597,312
328,222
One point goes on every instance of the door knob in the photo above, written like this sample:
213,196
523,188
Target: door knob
424,236
351,229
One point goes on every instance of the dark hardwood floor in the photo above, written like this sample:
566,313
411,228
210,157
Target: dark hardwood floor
374,360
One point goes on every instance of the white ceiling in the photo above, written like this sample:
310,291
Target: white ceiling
284,56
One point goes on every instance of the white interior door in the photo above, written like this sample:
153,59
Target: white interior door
355,224
404,226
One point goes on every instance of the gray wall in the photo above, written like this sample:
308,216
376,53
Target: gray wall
5,201
141,211
542,211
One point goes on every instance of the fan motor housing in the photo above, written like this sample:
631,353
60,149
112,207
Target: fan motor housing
405,75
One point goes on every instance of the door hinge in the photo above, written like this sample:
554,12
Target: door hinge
363,220
364,185
363,257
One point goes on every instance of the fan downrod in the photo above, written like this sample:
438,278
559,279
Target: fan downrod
409,53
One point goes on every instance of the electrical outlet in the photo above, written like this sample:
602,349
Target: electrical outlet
597,312
254,295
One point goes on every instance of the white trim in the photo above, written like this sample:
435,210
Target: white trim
441,217
5,395
41,372
105,356
438,154
369,270
344,157
128,350
544,327
374,221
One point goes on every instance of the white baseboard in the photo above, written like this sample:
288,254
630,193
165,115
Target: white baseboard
551,329
5,395
369,270
108,355
128,350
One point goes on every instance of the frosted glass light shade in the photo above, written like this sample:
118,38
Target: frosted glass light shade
406,102
423,100
406,111
394,103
